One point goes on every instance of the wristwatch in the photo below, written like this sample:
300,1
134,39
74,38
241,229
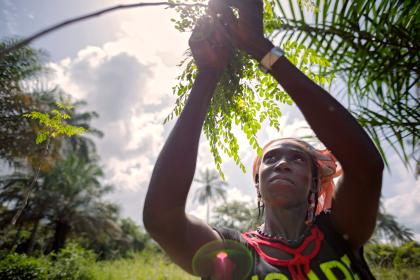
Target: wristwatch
270,58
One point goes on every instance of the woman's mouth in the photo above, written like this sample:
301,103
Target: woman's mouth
281,179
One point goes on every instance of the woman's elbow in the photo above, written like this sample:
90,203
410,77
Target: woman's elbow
378,163
159,215
147,216
371,163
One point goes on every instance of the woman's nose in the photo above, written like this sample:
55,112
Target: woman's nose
283,165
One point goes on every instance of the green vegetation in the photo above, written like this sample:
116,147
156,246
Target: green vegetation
54,221
55,192
371,46
74,262
144,265
52,123
238,215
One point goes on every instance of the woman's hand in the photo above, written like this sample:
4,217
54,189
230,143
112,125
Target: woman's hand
247,32
210,45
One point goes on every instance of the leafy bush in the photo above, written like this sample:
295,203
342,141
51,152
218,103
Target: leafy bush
72,262
408,255
391,256
381,255
126,244
15,266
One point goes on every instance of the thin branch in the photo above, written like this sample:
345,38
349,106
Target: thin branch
29,189
43,32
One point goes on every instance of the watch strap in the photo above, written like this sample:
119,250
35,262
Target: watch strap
270,58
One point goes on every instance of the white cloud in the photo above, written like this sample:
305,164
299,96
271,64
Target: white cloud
402,199
128,81
9,16
130,174
405,207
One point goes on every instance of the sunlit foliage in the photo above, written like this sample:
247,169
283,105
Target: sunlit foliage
245,97
52,123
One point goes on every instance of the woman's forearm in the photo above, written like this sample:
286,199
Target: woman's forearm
174,169
330,121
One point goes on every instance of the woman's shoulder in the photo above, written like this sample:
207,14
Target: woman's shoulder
228,233
324,222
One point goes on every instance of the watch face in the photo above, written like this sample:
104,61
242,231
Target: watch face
277,51
270,58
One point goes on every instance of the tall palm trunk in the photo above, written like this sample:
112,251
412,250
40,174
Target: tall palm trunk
32,238
17,236
60,235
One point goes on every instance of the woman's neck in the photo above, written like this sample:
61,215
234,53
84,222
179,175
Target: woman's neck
286,222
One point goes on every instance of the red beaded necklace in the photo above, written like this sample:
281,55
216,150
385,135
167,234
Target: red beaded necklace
294,264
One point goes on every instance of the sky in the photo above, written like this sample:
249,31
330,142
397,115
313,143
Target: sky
124,64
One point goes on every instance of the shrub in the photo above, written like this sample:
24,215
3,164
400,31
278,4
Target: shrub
381,255
408,255
15,266
391,256
72,262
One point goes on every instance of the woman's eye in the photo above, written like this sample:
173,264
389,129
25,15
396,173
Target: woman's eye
299,158
269,158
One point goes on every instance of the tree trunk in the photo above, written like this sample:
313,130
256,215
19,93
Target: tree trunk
17,236
32,238
60,235
208,210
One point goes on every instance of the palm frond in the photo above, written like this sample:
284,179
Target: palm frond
375,47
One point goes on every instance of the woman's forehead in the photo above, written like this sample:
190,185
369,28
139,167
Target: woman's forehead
286,144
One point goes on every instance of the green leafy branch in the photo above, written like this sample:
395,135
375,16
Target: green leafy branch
52,123
244,97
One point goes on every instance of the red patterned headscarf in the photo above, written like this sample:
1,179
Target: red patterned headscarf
328,169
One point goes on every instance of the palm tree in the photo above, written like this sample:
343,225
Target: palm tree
17,134
211,188
12,192
374,47
387,228
67,198
75,192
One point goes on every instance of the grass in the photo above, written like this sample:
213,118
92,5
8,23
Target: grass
396,274
149,265
143,266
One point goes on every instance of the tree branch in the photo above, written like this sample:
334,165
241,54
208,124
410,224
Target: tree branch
43,32
29,189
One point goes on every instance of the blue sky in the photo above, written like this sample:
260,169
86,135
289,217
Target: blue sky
125,64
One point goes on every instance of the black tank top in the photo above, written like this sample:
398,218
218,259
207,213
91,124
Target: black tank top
334,259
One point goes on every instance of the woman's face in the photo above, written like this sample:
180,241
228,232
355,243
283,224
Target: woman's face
285,174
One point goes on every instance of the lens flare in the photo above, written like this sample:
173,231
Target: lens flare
223,260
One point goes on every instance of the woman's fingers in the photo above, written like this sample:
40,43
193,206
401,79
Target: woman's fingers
246,7
239,4
250,13
224,16
222,35
209,34
202,30
219,9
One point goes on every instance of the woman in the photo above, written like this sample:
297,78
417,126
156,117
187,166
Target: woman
290,176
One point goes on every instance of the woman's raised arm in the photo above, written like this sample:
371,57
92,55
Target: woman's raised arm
356,199
164,214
